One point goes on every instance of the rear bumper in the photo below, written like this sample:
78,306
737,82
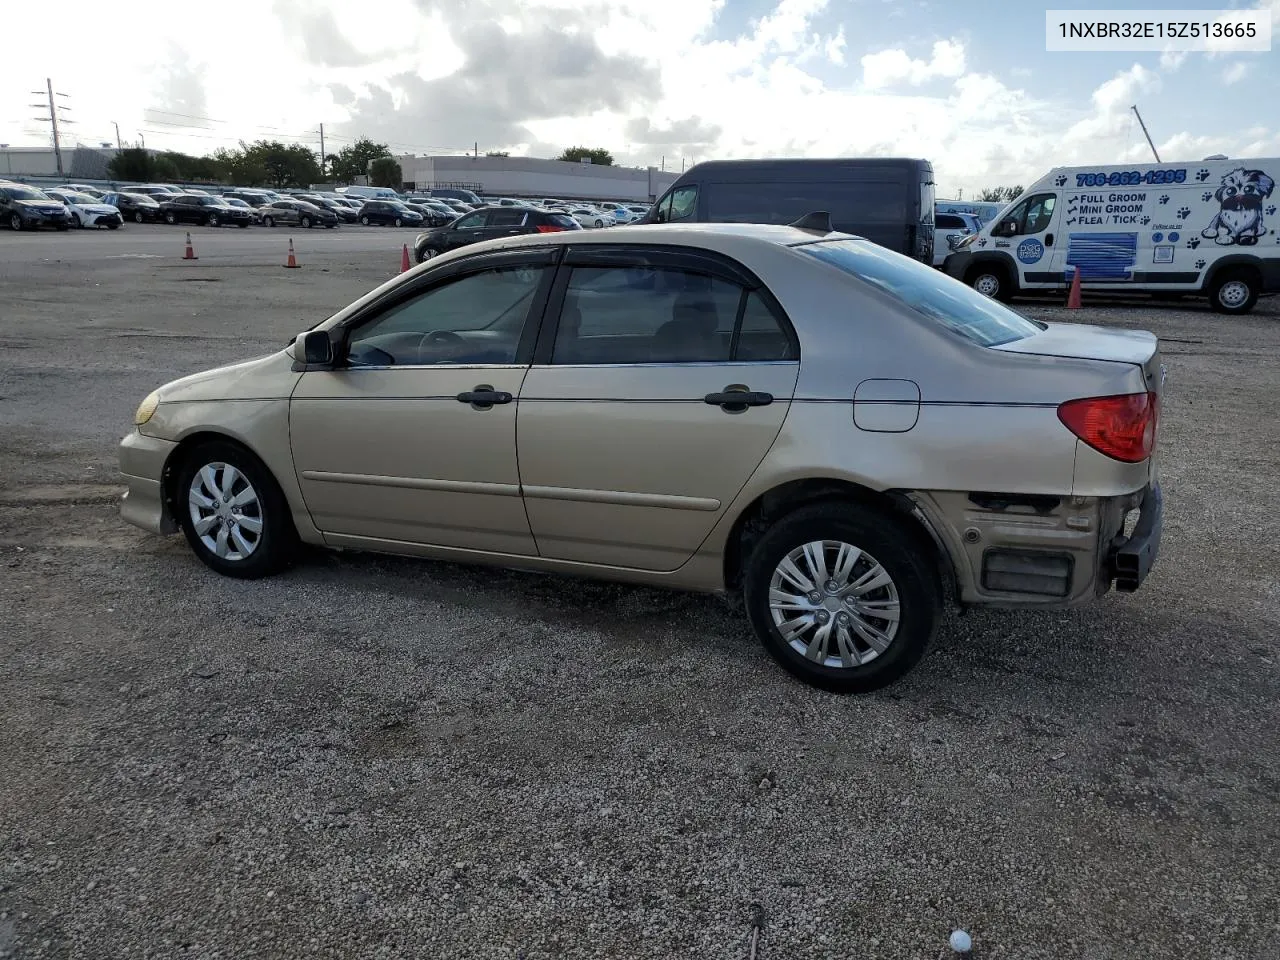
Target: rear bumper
1132,559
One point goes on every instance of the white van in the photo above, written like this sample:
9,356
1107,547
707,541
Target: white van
1209,227
369,193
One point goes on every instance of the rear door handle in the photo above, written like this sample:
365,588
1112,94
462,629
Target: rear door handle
484,396
735,401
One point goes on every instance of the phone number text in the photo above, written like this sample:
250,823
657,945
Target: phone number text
1130,178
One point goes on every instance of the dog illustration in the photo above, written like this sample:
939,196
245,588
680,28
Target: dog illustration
1239,217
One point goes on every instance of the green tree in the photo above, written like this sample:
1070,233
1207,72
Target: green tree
1012,193
241,169
991,194
385,172
353,161
597,155
131,164
291,165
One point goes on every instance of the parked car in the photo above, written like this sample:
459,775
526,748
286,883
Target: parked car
26,208
590,217
158,190
204,210
87,211
254,198
455,193
619,213
343,212
489,223
948,230
290,211
665,435
370,193
96,192
389,213
137,207
432,216
254,215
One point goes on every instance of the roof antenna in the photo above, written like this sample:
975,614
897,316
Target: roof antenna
819,222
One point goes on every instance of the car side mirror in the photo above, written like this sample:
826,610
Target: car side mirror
313,349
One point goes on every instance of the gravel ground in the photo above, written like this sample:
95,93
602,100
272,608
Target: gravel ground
388,758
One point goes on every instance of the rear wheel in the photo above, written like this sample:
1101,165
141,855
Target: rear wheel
213,220
843,596
399,222
112,225
1234,291
268,221
170,218
137,216
243,224
232,511
305,222
15,222
365,221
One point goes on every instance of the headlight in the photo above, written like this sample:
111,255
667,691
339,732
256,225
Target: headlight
146,409
965,241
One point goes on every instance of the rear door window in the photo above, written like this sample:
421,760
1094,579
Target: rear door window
765,201
506,217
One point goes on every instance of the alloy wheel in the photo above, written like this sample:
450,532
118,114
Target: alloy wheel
834,604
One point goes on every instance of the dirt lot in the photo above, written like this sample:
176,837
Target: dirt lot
385,758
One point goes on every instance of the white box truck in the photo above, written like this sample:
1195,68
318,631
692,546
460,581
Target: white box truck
1207,227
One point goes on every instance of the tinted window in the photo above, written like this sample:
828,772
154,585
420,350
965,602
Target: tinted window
560,220
862,201
506,218
470,222
950,303
761,336
475,319
949,221
645,315
25,193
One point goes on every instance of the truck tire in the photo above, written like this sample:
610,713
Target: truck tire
1234,290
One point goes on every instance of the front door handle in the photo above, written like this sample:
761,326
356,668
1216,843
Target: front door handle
483,397
1048,239
736,400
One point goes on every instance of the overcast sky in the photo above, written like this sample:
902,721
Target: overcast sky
967,85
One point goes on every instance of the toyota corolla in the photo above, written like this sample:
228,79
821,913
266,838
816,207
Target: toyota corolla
839,436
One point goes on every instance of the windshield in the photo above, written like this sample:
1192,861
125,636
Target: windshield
954,305
80,198
26,193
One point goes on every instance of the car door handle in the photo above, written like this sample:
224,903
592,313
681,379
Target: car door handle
735,401
1048,239
484,396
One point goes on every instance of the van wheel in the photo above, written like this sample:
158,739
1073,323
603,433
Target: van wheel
990,280
842,596
1234,291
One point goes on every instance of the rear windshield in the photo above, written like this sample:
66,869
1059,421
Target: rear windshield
561,220
954,305
863,201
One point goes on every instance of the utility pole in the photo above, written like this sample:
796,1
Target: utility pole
1144,132
117,126
322,150
52,119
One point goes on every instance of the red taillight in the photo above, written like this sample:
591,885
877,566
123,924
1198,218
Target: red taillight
549,228
1122,427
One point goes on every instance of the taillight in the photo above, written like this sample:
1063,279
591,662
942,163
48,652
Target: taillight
1122,427
549,228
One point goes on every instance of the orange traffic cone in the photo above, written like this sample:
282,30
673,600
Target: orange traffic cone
1073,298
292,262
189,253
404,259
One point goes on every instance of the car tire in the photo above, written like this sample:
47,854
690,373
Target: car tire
399,222
268,221
213,221
15,223
599,223
365,221
990,280
304,222
75,219
427,253
171,218
243,224
1234,291
112,225
205,471
137,216
890,554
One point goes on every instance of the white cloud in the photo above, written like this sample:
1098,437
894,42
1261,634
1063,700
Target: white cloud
890,67
1171,60
1235,72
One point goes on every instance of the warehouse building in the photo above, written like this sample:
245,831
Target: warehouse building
529,177
78,162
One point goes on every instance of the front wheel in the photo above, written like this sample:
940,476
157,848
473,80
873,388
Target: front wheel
232,511
243,224
990,281
599,223
427,253
365,221
843,596
268,221
171,218
399,222
1234,291
75,220
305,222
213,220
137,216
